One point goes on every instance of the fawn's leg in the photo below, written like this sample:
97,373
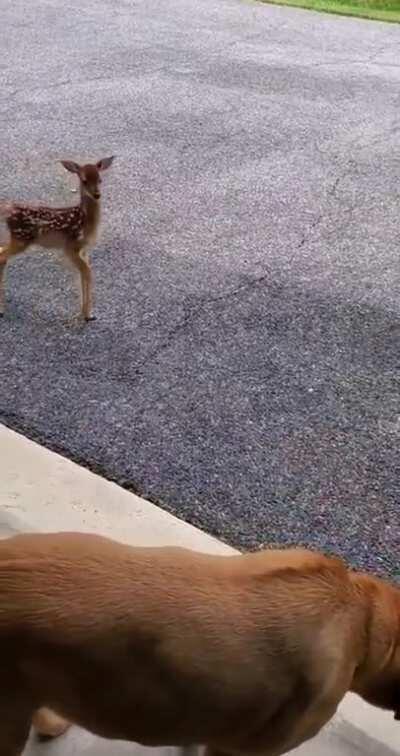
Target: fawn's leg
48,724
13,248
76,254
89,298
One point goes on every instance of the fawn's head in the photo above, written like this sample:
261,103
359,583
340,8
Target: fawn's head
89,175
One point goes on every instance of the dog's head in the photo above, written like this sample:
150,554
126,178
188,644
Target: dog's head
378,678
385,694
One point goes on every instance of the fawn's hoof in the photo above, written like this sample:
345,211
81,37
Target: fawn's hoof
90,318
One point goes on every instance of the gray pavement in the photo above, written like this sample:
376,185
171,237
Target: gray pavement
244,369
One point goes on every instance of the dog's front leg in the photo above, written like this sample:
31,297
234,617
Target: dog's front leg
14,727
48,724
286,730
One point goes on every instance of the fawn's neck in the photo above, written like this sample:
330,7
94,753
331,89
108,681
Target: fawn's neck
91,209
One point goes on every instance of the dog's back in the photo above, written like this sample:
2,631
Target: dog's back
166,646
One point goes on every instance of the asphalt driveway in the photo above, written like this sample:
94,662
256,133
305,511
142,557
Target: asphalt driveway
244,370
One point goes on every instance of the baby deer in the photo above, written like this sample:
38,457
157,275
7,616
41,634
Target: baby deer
71,229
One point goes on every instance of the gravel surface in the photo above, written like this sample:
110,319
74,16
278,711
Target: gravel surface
244,370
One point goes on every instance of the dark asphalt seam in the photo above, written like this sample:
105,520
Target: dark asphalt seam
19,425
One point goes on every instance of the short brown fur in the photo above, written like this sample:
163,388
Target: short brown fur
247,654
71,229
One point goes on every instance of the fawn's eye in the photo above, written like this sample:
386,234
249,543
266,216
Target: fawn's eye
84,181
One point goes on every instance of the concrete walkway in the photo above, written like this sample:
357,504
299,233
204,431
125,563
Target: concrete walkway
40,490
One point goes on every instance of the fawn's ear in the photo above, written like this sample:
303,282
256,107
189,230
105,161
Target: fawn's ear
105,163
71,166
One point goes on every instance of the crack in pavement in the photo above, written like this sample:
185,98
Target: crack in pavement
331,192
191,311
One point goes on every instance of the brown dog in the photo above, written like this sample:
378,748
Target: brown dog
162,646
